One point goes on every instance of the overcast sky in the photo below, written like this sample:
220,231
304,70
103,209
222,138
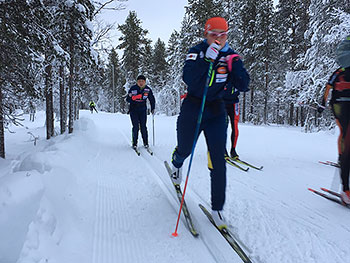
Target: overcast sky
159,17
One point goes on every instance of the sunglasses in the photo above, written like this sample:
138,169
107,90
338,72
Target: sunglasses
217,34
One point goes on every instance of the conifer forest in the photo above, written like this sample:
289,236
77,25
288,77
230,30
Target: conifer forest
55,56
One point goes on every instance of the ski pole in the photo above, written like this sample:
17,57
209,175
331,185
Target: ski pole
153,129
207,85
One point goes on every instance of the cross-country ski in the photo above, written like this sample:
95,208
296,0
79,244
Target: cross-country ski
136,150
330,163
234,164
186,212
239,161
227,235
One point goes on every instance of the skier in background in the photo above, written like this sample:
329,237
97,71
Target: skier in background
232,108
227,68
92,106
137,97
339,82
31,111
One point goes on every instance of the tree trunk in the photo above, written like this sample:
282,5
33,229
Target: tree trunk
251,103
70,80
49,102
76,107
291,113
66,91
297,116
63,116
278,108
302,117
2,130
266,91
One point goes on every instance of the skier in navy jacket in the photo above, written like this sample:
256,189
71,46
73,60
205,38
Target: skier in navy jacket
227,69
137,97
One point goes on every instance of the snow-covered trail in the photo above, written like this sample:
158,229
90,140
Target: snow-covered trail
271,201
134,216
87,197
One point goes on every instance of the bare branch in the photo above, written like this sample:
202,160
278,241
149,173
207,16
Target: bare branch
102,33
103,6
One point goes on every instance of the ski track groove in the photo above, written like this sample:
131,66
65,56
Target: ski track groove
112,229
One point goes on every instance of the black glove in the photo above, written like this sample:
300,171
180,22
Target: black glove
152,111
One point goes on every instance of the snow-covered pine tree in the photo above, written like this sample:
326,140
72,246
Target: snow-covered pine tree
160,66
264,42
232,12
291,21
91,79
169,97
133,42
196,14
62,37
199,11
329,24
79,16
147,68
46,12
257,40
2,131
191,33
247,31
20,56
118,93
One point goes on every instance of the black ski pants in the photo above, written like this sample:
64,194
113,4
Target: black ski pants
214,127
341,112
139,119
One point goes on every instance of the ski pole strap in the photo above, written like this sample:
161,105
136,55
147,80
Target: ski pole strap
230,60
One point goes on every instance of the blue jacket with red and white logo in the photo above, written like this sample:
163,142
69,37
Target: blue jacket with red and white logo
137,97
228,72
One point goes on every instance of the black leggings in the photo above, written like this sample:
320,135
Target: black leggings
233,114
341,112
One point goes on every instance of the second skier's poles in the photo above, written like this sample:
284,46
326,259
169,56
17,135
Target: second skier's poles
207,85
153,129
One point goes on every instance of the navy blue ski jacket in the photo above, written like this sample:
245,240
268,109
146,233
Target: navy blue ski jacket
137,97
228,71
229,97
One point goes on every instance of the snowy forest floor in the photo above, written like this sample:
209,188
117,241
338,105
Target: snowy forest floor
87,197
